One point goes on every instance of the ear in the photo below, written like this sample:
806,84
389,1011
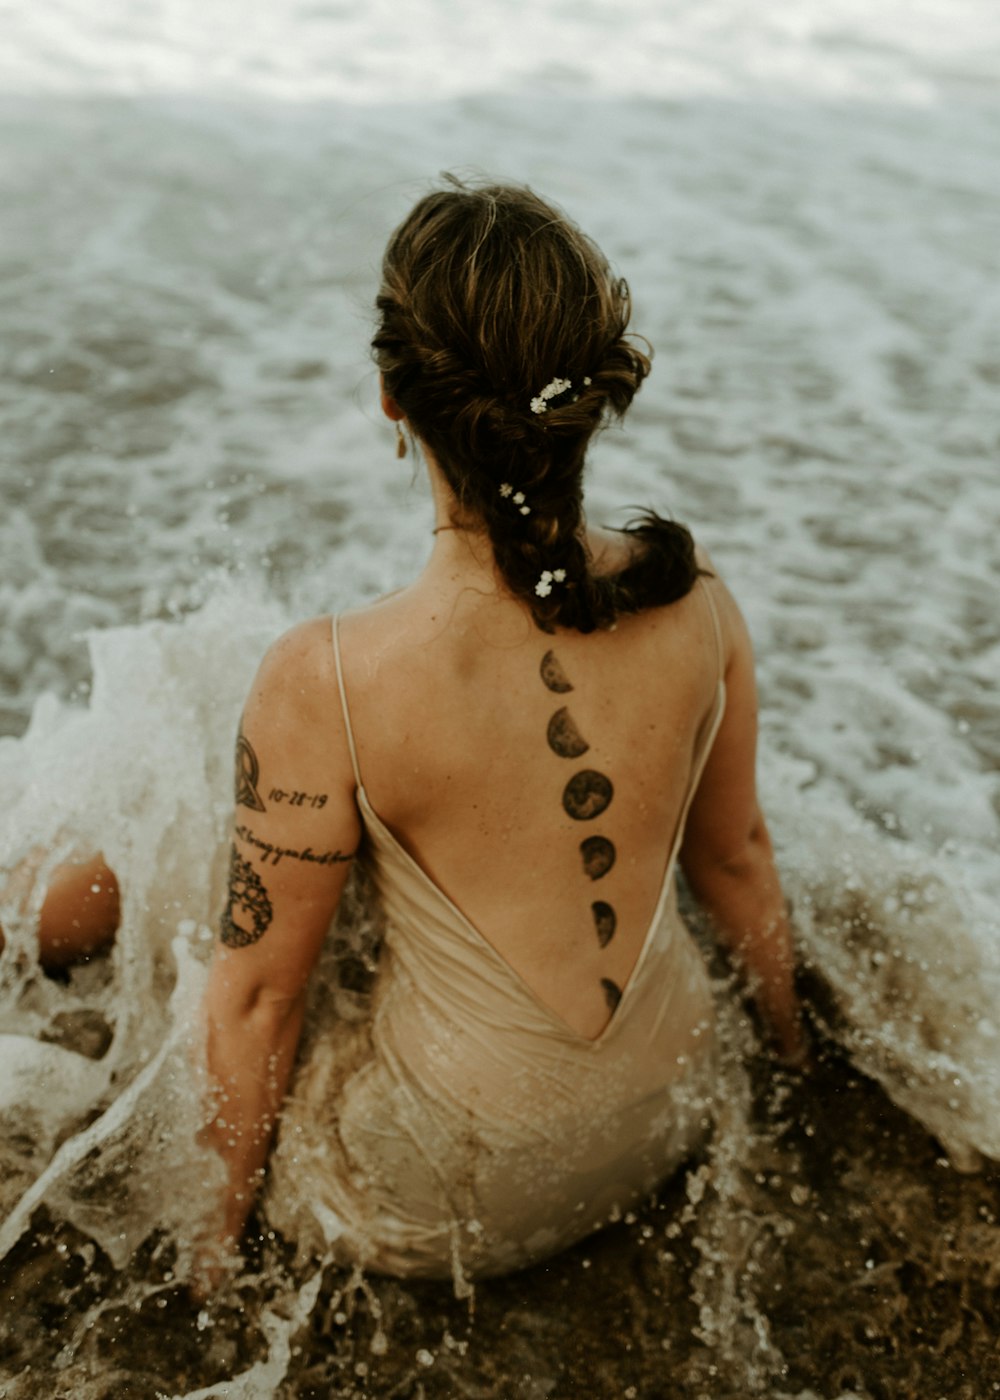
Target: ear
390,407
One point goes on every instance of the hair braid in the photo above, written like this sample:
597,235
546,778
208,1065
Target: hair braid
488,294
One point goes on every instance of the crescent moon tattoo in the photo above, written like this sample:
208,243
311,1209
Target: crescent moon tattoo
587,794
564,737
553,674
598,856
612,993
605,921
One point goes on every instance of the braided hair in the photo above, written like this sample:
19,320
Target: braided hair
501,337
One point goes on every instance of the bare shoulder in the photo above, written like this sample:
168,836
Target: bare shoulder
293,704
732,625
299,660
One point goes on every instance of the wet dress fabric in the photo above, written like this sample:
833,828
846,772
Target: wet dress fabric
465,1129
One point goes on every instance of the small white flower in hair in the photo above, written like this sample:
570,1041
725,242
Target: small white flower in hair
559,575
525,510
505,488
519,498
544,585
552,390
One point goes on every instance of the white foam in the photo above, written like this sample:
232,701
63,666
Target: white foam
433,49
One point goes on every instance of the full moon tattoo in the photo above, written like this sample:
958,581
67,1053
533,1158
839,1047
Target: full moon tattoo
587,794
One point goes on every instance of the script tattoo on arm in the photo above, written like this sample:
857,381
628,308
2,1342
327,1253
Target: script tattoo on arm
269,852
247,775
248,912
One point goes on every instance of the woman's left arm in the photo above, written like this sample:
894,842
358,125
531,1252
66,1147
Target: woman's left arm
296,830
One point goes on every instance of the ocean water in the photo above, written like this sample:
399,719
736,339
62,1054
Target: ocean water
805,199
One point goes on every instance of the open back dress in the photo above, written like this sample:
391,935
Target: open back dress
465,1129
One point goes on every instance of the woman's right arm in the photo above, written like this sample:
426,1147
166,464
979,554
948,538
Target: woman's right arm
727,856
295,832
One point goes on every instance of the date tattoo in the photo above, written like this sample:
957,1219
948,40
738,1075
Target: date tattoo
248,912
298,799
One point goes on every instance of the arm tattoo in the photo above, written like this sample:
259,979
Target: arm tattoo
247,775
298,799
276,854
248,912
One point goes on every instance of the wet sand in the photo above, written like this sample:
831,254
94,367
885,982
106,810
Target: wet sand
874,1263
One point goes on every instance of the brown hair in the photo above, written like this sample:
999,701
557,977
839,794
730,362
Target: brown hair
488,295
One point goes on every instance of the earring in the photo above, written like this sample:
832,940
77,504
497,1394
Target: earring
400,441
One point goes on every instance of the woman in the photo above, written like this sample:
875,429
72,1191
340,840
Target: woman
517,748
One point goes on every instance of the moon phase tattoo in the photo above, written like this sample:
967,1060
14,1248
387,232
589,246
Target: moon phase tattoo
248,912
586,795
598,856
247,775
564,737
553,674
605,921
612,993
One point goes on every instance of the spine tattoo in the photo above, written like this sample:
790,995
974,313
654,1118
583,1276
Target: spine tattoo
586,796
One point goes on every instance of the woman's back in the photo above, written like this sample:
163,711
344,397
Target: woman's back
537,779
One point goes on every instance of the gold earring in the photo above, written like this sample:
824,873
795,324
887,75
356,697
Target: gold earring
400,441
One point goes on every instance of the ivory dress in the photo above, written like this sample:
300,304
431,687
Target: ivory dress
466,1129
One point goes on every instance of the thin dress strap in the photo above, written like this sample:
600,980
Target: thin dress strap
343,702
719,655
